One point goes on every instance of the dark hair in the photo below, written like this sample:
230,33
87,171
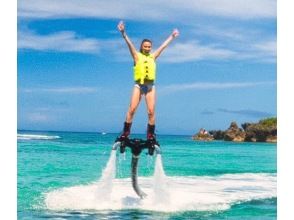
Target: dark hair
143,41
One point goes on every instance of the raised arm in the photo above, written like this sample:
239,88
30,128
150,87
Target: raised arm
133,51
173,35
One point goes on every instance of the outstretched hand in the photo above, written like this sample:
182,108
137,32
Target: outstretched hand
175,33
121,26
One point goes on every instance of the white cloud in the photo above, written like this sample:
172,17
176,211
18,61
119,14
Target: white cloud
225,32
62,41
178,52
267,47
209,86
245,9
38,117
258,51
254,44
147,10
192,51
69,90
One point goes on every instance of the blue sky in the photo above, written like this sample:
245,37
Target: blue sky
75,71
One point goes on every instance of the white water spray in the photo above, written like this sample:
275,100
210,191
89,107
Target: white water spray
105,183
161,192
165,194
90,196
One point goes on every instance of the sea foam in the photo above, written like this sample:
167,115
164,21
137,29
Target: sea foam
165,193
35,137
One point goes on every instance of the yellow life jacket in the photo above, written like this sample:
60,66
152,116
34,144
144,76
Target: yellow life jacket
145,68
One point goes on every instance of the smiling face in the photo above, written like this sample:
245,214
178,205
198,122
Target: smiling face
146,46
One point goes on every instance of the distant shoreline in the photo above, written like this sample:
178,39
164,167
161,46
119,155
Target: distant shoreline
263,131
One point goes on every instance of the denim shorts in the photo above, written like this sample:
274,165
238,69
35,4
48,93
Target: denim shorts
145,88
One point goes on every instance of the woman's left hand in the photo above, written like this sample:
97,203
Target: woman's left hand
175,33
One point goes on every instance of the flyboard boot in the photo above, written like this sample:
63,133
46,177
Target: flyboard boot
151,138
126,131
124,136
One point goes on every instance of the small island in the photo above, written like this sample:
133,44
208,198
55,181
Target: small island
263,131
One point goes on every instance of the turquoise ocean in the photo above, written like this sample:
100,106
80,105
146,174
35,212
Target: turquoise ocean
72,175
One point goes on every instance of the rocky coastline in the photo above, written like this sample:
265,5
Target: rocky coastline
263,131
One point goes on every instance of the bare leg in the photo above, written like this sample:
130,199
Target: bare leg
150,102
135,100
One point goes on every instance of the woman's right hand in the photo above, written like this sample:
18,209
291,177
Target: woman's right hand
121,26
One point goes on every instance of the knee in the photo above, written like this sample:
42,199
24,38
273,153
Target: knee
150,113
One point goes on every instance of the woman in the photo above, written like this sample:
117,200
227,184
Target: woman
144,77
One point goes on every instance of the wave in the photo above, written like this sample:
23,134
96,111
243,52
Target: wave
192,193
36,137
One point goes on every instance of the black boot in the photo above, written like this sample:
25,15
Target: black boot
151,139
151,132
126,131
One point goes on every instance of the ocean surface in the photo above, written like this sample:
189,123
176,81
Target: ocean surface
71,175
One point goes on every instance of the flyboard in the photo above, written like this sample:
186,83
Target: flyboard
136,146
